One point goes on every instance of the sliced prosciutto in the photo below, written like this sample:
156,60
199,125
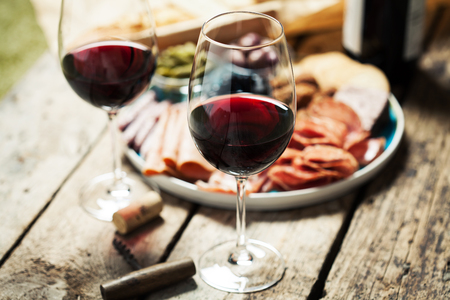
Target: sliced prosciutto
190,162
128,115
152,148
150,121
172,135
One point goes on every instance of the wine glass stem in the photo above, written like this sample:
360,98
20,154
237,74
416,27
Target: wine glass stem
240,212
117,162
240,256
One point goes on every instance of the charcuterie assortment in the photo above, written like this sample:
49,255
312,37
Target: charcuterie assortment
337,130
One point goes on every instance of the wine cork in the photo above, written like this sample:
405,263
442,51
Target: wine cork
143,281
138,212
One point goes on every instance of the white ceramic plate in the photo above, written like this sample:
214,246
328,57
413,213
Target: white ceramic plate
291,199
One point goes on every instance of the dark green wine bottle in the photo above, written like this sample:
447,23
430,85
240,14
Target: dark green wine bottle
385,33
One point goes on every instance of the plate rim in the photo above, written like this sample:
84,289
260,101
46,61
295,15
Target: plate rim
285,199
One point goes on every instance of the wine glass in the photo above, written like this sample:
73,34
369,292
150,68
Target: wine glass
241,121
107,51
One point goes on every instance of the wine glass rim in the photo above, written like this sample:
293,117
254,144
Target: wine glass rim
237,47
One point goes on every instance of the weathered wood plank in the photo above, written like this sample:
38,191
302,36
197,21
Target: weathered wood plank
396,245
428,258
45,131
68,254
303,236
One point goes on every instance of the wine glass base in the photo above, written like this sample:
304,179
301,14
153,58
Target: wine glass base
264,270
101,198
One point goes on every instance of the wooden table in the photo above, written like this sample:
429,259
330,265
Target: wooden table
390,239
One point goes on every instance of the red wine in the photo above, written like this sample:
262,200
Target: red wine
109,74
241,134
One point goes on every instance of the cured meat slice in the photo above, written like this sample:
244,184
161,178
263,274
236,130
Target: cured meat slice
152,148
371,105
331,159
339,111
218,182
259,183
366,151
314,166
127,116
172,135
355,137
136,132
269,185
293,178
310,130
288,155
150,120
190,162
130,132
335,110
150,140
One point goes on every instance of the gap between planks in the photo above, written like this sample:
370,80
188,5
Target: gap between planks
44,208
318,289
178,234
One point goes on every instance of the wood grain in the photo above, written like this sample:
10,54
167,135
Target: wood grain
69,254
303,236
397,245
46,130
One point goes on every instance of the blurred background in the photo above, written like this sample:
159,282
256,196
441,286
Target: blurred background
22,41
29,28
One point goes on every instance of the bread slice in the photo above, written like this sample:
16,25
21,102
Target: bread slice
363,87
335,70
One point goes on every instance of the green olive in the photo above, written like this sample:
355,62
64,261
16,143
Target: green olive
176,61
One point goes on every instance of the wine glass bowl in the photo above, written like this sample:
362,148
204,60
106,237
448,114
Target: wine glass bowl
107,51
241,124
241,134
